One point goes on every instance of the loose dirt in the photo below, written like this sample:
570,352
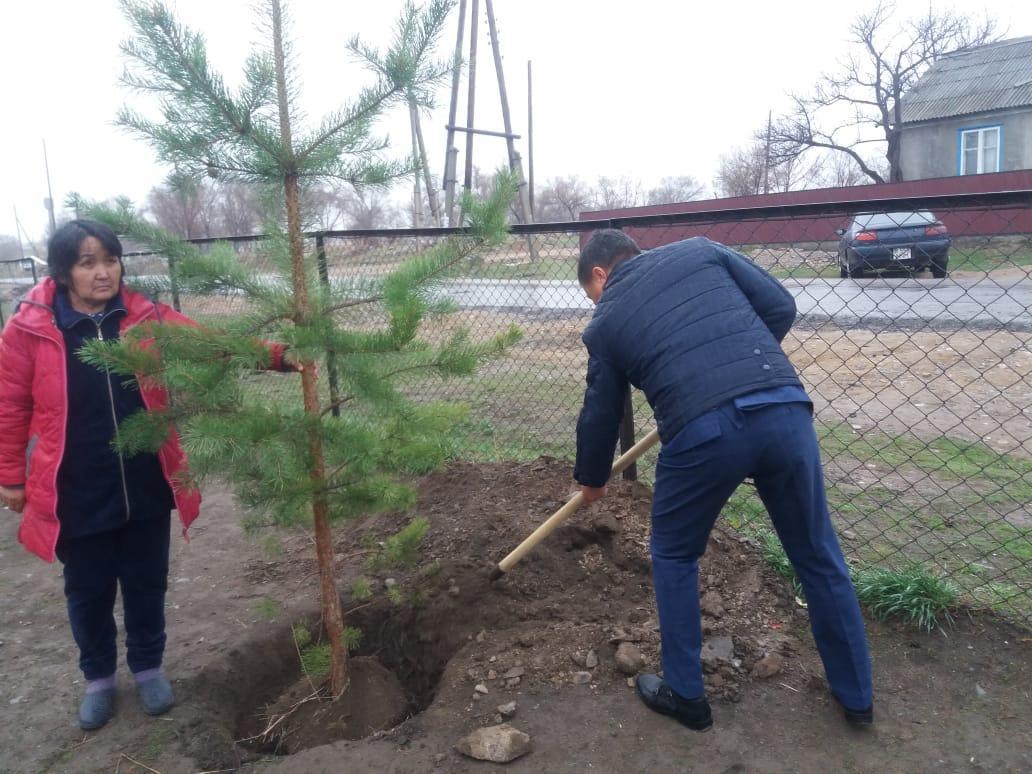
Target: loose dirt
544,636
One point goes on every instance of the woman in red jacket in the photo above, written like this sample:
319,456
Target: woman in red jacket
105,515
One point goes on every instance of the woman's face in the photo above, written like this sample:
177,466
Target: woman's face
95,277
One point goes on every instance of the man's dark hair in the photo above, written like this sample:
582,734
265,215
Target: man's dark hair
606,248
63,247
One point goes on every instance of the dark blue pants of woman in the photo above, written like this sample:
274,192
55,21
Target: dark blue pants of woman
134,557
696,473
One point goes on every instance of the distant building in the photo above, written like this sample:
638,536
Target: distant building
970,114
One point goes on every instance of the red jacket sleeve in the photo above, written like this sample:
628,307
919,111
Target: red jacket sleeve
17,367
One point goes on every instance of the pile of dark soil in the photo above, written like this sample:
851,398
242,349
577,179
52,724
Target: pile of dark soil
558,617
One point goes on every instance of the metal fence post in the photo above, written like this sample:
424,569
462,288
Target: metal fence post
331,359
173,283
627,436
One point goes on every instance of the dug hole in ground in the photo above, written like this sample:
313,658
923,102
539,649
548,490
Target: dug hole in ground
437,666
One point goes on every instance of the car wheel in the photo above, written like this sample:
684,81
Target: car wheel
856,272
843,272
939,266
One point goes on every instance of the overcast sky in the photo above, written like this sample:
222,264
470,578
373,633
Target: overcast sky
645,89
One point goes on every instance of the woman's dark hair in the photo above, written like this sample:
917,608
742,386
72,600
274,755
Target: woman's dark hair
606,248
63,247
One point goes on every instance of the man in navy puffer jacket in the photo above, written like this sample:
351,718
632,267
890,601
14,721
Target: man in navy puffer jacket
698,328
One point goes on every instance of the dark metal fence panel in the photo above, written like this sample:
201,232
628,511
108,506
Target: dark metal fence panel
922,384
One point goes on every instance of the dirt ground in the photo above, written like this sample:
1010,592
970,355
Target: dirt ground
544,636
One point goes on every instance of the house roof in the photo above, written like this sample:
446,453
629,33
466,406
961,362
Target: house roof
996,76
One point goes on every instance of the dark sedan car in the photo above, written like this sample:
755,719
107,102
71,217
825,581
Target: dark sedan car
900,241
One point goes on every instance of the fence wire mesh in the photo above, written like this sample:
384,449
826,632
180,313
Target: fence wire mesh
912,338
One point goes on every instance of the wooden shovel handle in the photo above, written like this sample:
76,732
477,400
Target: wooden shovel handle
575,502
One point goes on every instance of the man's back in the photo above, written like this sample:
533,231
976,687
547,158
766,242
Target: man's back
693,324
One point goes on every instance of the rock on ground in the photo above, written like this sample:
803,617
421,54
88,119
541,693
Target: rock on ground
499,744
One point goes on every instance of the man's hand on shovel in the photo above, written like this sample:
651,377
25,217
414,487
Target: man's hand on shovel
593,493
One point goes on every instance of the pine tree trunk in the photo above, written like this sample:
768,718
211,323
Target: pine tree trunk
333,619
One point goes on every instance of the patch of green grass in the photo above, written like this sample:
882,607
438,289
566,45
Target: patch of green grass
911,593
157,742
948,457
806,271
267,608
989,258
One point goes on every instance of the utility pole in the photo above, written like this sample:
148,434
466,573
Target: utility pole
417,193
530,141
766,156
515,163
50,193
451,153
467,181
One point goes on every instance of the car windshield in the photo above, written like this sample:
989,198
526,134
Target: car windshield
876,220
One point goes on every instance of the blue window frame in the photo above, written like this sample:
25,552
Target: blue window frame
979,149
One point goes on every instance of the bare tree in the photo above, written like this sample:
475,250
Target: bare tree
369,208
746,171
183,206
860,105
841,171
562,198
10,249
616,192
671,190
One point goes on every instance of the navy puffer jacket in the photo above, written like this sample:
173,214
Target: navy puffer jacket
692,324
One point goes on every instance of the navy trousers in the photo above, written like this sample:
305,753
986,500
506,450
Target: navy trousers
696,474
135,557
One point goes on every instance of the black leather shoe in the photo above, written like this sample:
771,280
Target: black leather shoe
863,717
660,697
859,718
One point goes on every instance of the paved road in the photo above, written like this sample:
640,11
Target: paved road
948,303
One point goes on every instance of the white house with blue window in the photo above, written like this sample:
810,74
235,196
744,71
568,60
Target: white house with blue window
970,114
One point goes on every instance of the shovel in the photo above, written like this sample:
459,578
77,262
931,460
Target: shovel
548,526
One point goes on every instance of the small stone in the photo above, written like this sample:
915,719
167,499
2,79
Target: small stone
390,582
439,758
768,666
512,682
629,659
980,692
712,604
500,744
498,718
507,710
524,641
591,660
848,534
717,649
716,680
453,590
492,675
493,659
516,671
480,635
630,682
581,678
606,524
480,688
578,658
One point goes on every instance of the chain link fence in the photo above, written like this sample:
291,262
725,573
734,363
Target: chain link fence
922,383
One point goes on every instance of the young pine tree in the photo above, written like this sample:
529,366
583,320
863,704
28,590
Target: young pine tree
294,460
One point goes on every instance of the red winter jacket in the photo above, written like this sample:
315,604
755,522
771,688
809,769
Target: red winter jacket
34,410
